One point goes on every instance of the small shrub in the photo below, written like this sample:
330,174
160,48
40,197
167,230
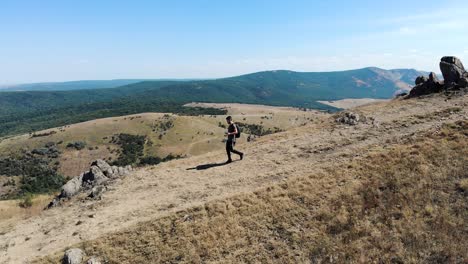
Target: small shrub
27,201
78,145
463,185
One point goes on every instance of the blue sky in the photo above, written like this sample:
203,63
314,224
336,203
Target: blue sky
73,40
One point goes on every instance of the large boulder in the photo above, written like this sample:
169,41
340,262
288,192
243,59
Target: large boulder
452,69
433,77
101,164
420,79
73,256
426,85
94,176
72,187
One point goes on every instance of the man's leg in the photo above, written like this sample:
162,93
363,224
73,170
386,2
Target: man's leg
229,149
237,152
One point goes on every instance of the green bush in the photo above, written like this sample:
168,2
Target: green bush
78,145
132,147
26,201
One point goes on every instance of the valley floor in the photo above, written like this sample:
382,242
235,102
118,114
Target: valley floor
164,190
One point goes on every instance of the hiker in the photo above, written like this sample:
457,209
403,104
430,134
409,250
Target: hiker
232,133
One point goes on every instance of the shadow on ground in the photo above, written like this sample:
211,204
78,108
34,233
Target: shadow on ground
208,166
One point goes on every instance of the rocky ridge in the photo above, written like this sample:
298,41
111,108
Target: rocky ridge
455,77
94,181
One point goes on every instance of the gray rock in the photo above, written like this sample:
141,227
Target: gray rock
73,256
101,164
96,192
72,187
99,173
433,77
349,118
55,202
94,176
93,260
452,69
420,79
463,82
426,85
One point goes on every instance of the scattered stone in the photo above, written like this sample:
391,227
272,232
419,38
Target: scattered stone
96,192
73,256
348,118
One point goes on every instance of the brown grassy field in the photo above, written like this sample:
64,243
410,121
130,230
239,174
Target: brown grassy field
11,211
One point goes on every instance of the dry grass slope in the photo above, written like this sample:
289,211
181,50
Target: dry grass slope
400,203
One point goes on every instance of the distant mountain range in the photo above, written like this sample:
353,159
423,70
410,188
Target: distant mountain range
31,110
76,85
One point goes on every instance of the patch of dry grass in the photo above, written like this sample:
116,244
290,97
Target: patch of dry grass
405,203
10,209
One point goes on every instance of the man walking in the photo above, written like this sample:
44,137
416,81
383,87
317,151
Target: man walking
231,140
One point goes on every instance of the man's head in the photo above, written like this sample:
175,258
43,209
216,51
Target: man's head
229,119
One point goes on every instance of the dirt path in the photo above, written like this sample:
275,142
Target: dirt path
154,192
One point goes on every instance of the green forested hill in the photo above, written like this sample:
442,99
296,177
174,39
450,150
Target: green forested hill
33,110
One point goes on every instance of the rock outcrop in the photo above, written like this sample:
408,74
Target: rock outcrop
72,187
348,118
73,256
94,180
452,69
426,85
455,77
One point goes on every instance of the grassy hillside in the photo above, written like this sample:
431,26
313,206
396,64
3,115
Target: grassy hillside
391,189
31,111
404,208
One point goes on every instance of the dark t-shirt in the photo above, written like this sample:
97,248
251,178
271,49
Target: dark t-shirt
231,129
